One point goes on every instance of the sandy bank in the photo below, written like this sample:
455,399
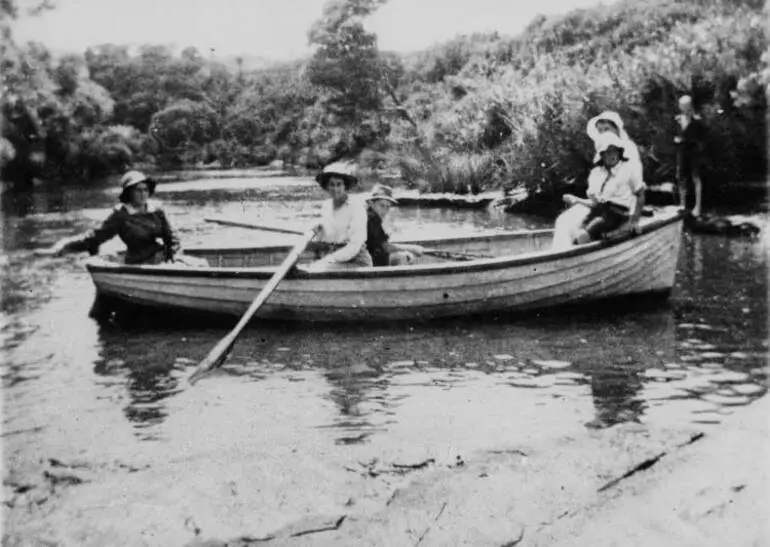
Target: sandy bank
627,485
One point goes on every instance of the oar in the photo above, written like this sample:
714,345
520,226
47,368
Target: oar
217,356
449,255
252,226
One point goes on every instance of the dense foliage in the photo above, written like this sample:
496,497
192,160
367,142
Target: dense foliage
519,106
478,111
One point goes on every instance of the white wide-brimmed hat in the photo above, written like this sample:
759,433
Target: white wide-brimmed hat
609,116
345,171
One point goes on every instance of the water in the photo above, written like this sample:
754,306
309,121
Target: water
74,388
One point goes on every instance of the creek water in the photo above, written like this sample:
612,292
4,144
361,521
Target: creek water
76,388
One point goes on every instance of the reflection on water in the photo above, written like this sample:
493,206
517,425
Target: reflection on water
693,359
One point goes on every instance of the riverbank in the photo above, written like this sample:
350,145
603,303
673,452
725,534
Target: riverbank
627,485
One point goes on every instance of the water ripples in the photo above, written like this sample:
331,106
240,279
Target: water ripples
69,381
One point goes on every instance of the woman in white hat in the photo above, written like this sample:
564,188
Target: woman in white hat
611,122
608,122
614,188
343,221
138,221
382,250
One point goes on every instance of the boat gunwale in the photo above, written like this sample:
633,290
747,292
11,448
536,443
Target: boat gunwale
420,270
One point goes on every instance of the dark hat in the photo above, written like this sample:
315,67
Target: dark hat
131,179
380,191
337,169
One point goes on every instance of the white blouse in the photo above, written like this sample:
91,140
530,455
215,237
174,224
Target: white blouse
345,225
619,185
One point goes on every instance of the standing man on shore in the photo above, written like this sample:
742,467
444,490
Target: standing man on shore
690,138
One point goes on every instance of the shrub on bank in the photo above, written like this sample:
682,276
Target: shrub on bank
532,120
454,173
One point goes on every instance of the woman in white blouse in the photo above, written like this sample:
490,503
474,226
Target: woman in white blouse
615,189
606,122
343,221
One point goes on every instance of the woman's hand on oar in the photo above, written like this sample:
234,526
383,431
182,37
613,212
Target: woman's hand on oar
219,353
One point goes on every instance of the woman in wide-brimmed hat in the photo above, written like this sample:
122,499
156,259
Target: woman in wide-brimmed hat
139,221
615,190
383,251
342,230
608,122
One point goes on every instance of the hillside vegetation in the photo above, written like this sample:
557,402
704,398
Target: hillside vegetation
479,111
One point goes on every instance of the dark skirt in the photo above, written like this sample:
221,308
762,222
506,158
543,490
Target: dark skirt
603,218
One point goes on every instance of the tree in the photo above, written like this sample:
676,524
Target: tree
52,112
346,60
185,124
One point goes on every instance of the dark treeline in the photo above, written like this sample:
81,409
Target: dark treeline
480,111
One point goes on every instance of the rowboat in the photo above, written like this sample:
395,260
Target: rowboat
514,271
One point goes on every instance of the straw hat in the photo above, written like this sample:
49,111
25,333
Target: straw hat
131,179
382,192
338,169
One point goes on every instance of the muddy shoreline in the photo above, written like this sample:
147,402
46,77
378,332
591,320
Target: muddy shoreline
630,483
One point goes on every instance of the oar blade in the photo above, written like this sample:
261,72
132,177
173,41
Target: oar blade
214,359
217,356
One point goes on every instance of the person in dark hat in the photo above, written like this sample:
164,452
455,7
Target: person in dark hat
342,230
138,221
381,249
614,188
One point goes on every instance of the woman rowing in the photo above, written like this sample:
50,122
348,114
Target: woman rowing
608,122
615,191
382,250
342,230
138,221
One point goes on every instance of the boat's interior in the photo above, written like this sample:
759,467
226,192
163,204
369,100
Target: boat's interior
449,249
440,250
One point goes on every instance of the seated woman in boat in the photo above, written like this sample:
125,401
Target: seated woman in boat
615,191
611,122
140,223
606,122
382,250
342,230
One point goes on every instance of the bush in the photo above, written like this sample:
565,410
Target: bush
532,116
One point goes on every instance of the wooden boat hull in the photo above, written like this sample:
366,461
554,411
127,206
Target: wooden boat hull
535,279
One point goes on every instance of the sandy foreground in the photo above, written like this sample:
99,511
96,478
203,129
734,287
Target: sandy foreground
626,485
